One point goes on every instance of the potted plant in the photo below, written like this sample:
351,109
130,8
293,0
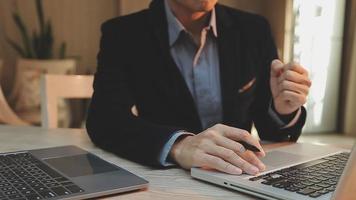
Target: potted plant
37,58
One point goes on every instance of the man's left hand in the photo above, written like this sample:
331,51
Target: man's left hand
290,86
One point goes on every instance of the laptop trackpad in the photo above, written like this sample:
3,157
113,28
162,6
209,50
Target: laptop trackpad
279,158
80,165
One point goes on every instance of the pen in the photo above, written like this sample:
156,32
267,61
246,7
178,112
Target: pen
249,146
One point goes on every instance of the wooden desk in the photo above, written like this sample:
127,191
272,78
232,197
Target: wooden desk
172,184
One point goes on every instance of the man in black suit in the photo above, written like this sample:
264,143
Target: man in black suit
200,74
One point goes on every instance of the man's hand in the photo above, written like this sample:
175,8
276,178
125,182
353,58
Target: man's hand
290,86
217,148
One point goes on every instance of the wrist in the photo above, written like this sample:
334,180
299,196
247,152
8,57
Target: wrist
177,147
285,117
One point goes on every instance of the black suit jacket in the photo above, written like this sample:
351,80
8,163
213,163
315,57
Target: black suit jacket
135,68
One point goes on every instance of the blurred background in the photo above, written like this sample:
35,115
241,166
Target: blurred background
62,37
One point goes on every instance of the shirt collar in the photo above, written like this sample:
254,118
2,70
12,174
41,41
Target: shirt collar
175,27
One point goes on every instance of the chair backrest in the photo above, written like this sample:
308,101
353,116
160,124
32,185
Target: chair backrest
54,87
7,115
26,68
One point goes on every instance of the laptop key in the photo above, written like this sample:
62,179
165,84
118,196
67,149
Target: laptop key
4,189
74,189
278,185
315,194
39,189
48,170
276,180
47,194
15,196
67,183
292,189
61,179
4,185
324,191
307,183
324,185
282,184
36,185
23,188
331,188
317,188
321,178
28,192
12,192
306,191
266,182
299,186
315,181
48,181
33,197
51,185
328,176
255,178
60,191
331,182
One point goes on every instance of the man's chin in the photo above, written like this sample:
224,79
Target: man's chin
206,6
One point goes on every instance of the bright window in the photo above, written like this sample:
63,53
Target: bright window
318,45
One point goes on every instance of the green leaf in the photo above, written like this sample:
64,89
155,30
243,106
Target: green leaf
36,44
48,40
62,50
41,44
16,47
29,53
40,15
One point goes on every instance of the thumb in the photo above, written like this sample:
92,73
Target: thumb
276,68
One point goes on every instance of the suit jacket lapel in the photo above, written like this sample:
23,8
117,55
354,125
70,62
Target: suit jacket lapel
230,69
169,76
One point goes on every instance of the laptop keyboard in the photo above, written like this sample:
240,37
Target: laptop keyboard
314,178
24,177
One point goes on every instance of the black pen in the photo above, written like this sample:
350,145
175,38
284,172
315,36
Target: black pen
249,146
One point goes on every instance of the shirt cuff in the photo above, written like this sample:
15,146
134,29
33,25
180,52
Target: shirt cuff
279,121
163,156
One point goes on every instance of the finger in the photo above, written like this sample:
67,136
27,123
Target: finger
295,99
219,164
239,150
232,158
230,144
292,86
294,77
240,135
297,68
276,68
253,159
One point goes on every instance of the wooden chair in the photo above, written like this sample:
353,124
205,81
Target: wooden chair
7,115
24,96
54,87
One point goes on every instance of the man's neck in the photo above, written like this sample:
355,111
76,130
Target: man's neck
193,21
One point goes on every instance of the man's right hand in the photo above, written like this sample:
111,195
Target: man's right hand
218,148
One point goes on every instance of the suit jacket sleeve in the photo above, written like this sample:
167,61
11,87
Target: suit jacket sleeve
267,127
110,123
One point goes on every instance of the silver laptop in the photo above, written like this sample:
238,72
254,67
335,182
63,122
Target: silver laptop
298,171
66,172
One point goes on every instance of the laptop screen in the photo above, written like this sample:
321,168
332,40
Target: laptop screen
346,186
